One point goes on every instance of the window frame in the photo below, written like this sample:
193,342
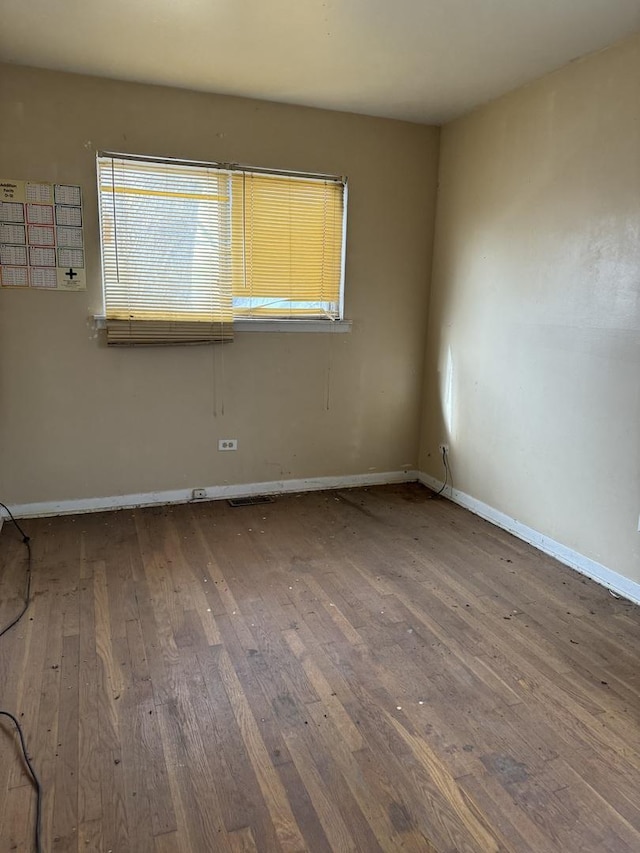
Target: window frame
246,324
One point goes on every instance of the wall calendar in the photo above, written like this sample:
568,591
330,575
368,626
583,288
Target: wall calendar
41,236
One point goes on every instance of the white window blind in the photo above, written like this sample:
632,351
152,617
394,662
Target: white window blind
186,248
288,235
166,230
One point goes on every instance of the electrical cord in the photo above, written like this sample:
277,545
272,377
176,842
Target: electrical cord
27,595
449,471
446,475
34,776
15,523
27,760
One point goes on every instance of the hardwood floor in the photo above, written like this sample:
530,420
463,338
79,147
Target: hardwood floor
366,670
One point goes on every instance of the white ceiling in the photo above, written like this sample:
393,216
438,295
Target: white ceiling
422,60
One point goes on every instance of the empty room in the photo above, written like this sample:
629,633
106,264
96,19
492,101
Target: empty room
319,426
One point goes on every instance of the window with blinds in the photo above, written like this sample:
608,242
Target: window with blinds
189,248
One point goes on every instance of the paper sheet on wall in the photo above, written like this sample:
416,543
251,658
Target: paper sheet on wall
41,236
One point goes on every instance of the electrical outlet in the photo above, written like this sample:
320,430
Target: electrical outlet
227,444
443,448
198,494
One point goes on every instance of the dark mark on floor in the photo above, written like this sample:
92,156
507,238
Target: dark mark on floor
506,768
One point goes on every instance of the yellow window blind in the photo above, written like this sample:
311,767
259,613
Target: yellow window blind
188,248
288,263
166,230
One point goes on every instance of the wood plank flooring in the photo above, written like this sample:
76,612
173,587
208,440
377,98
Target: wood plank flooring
366,670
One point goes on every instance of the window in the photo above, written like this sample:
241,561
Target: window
189,248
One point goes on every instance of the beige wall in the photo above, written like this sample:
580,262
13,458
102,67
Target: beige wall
533,358
79,420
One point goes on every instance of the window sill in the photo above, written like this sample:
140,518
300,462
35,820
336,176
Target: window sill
337,326
292,326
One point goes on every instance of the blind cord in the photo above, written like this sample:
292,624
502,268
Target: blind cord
27,598
329,367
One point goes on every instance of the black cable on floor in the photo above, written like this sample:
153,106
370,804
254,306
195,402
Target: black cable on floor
34,776
25,538
27,599
27,595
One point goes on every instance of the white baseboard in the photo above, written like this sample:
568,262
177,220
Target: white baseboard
213,493
596,571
